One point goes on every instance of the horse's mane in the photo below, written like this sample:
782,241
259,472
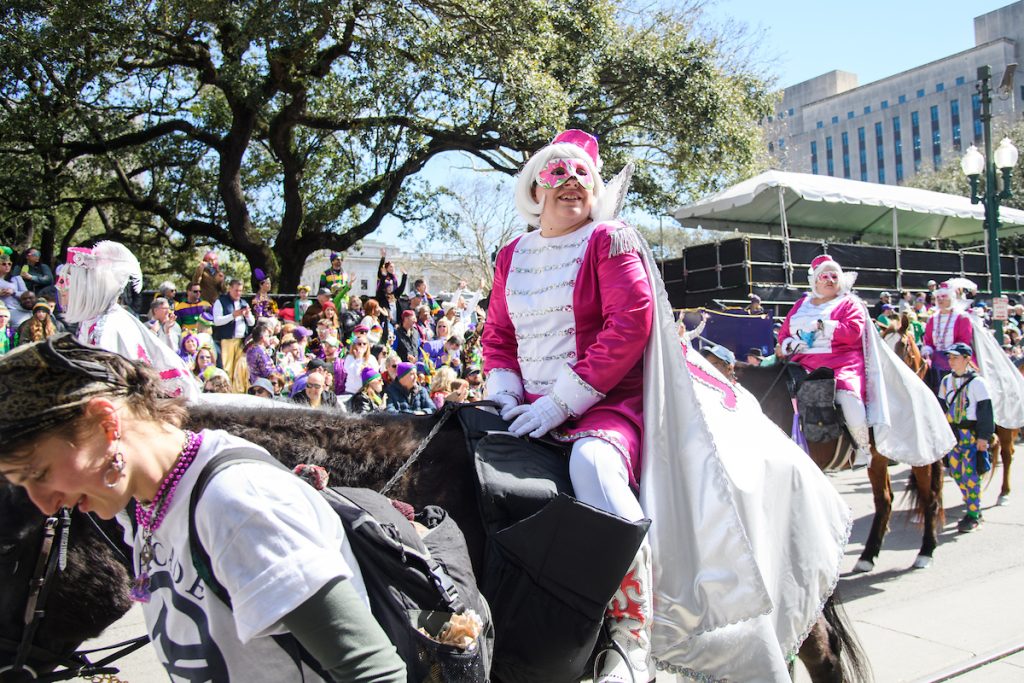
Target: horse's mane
357,451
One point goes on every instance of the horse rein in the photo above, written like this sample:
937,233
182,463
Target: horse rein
56,533
397,476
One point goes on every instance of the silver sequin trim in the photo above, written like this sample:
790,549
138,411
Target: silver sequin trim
527,292
563,405
541,311
603,434
546,269
494,370
537,384
584,386
543,335
541,250
541,359
689,673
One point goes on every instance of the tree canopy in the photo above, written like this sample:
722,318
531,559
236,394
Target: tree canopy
277,128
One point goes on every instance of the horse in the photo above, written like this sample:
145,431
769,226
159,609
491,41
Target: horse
900,337
1007,437
368,451
768,385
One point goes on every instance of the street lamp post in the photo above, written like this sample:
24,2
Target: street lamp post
973,165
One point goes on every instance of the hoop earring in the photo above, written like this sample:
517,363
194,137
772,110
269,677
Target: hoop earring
115,471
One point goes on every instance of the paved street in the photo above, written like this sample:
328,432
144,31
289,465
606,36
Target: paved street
913,624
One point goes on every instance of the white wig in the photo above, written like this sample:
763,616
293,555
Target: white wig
956,288
96,277
528,207
826,262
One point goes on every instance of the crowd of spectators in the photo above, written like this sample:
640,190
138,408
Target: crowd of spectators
395,351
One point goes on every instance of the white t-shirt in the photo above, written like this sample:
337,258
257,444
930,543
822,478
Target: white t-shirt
273,541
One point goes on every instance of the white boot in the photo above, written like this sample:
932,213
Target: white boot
862,437
629,621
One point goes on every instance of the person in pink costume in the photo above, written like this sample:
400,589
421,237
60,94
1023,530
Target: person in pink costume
950,324
568,322
826,328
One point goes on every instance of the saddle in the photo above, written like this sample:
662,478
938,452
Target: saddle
815,394
551,563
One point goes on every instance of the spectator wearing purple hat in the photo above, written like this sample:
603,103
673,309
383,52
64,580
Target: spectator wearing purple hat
405,395
886,317
388,285
262,305
370,398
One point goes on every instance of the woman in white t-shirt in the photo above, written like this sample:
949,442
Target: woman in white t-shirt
92,429
357,358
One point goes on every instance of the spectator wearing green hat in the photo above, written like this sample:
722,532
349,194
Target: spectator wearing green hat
405,395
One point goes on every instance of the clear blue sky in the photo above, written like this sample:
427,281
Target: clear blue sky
797,40
871,38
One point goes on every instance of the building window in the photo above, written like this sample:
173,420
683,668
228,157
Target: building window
897,147
959,80
771,148
880,151
789,112
829,160
364,284
903,99
846,154
814,157
939,87
820,124
782,144
976,115
885,104
936,140
835,119
849,115
954,119
862,154
920,93
770,118
915,138
867,109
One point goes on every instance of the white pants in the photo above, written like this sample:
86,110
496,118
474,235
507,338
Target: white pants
855,415
600,478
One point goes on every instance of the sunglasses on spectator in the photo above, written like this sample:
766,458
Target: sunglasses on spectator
314,386
833,277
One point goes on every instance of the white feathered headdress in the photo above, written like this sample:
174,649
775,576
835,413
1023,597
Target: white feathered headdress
96,277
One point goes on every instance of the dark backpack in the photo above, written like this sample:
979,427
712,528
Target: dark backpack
411,582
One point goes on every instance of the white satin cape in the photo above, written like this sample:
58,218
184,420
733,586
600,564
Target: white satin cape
1005,383
747,533
908,423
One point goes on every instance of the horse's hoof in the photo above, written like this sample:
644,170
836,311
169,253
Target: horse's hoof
923,562
863,566
1003,500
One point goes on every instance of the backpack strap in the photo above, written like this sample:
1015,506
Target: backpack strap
221,461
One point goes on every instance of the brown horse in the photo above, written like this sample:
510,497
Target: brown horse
905,346
1006,449
925,487
364,451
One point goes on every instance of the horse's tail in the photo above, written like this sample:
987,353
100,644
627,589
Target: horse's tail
843,642
919,505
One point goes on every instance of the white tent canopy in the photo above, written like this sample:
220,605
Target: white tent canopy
814,206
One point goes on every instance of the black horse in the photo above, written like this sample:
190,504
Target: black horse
924,487
366,451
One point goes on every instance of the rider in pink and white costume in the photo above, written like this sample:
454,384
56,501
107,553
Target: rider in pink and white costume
90,284
580,343
830,327
826,329
949,324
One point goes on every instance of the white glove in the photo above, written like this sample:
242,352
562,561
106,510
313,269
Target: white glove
537,418
506,402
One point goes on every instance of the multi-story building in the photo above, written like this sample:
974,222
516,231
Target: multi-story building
890,130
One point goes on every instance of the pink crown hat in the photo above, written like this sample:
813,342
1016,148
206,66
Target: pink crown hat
583,140
823,260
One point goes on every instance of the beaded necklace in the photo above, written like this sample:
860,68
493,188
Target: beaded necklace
149,518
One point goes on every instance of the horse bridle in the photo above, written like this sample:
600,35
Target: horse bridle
53,556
